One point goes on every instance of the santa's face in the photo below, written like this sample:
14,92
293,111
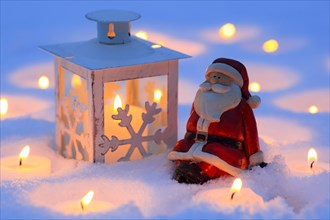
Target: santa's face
219,78
218,94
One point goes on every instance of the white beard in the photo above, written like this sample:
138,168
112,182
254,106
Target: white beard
211,102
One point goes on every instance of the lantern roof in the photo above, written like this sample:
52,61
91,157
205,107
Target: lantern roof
107,16
114,45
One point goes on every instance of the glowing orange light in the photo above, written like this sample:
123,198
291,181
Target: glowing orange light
227,31
270,46
117,104
24,154
312,156
43,82
142,34
86,199
157,95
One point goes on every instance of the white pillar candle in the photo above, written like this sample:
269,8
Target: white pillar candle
72,207
33,166
309,168
86,205
220,199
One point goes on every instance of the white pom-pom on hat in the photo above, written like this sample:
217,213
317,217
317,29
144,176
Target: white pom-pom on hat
254,101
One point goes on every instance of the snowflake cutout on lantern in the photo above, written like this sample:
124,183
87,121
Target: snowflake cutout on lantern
136,137
72,118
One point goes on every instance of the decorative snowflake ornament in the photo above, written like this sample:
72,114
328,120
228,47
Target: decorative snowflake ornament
136,137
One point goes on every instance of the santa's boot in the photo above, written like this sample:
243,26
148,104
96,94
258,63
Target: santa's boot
187,172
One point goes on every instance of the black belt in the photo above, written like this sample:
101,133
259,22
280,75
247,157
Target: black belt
204,137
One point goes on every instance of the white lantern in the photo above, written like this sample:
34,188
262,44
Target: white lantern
91,74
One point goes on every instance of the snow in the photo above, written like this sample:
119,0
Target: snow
291,79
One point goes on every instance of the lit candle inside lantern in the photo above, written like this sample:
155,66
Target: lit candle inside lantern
112,128
86,205
312,157
117,104
157,95
43,82
3,106
25,166
236,187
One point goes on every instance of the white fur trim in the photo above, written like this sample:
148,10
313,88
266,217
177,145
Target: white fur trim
196,154
217,162
227,70
254,101
256,158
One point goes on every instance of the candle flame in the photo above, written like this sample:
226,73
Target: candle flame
86,199
312,156
227,31
75,81
117,104
313,109
236,187
141,34
24,154
157,95
43,82
3,106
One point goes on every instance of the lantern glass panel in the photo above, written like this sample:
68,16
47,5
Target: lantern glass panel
73,115
135,93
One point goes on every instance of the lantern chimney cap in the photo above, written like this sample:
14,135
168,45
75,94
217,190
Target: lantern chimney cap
113,26
108,16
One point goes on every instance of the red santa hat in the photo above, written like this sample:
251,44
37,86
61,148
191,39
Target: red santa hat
238,73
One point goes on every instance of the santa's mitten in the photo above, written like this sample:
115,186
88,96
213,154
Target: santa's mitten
256,159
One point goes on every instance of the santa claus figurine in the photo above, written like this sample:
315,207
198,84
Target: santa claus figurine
222,136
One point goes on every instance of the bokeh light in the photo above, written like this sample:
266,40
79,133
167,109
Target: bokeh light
227,31
155,46
43,82
313,109
3,106
270,46
254,87
142,34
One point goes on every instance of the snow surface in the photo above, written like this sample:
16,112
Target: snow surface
291,80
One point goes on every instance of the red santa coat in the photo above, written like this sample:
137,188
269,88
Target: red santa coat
237,124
